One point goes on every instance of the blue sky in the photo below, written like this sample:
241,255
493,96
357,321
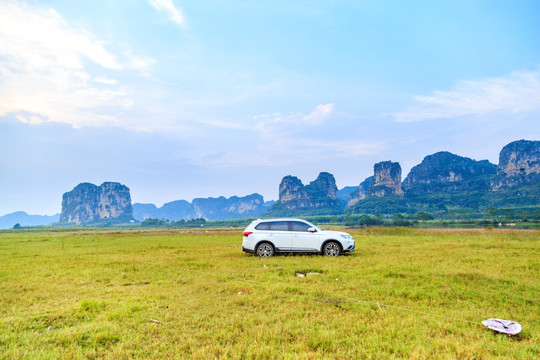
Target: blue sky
182,99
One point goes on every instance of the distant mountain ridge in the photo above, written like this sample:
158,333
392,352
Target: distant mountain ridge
219,208
442,182
22,218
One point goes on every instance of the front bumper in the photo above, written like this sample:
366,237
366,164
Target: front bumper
350,248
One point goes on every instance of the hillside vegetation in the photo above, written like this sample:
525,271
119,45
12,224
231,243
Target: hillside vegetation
405,293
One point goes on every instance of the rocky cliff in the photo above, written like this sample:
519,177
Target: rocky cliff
361,192
324,187
292,188
219,208
519,163
445,171
344,193
519,158
88,203
320,196
387,179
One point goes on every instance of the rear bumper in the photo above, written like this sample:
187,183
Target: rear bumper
248,250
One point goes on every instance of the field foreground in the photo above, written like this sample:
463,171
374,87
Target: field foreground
413,294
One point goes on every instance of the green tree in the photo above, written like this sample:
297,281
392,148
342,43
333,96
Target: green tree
490,214
349,221
508,214
424,216
150,222
196,222
369,220
399,220
522,214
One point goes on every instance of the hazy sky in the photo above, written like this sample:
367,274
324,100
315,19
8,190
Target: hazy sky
180,99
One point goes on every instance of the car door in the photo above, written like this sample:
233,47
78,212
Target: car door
302,239
279,235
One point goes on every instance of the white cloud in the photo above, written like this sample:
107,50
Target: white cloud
175,14
105,80
43,72
319,135
518,92
229,125
279,125
288,152
320,114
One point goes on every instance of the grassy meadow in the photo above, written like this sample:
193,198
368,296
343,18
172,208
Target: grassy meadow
172,294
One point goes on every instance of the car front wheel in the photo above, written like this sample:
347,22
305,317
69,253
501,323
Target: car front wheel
331,249
265,250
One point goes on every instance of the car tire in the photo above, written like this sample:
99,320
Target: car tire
331,248
265,249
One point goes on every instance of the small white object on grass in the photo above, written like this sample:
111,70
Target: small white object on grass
507,327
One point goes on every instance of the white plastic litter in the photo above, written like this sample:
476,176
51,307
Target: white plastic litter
508,327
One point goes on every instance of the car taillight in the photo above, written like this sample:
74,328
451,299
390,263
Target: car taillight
247,233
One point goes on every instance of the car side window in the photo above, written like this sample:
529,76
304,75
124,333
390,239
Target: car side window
279,226
300,226
263,226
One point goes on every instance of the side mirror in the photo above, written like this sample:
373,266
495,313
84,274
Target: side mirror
312,230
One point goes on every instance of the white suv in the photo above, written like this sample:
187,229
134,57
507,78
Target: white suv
269,236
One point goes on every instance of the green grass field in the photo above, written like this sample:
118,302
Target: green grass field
404,294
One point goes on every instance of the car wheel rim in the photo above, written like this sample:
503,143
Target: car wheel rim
265,251
331,250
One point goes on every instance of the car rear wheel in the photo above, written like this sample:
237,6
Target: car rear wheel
331,249
265,250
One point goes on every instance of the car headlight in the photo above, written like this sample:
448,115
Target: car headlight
348,237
